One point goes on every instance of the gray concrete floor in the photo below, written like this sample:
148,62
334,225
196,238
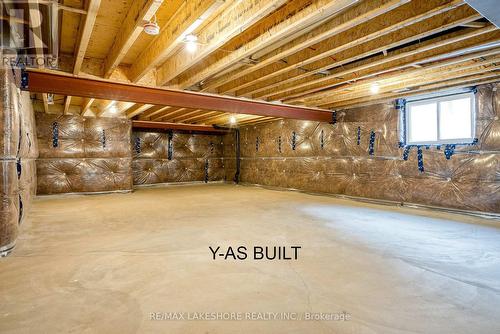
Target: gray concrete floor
104,263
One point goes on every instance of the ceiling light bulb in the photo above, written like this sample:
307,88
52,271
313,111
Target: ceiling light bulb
191,38
191,47
232,120
374,88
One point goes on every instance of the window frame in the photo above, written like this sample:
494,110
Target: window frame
438,99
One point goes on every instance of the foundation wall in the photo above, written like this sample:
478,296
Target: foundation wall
18,151
162,157
329,158
80,154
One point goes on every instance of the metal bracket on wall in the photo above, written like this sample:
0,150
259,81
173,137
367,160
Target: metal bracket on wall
334,118
103,138
206,170
371,148
238,157
420,159
24,79
55,134
170,153
19,167
137,145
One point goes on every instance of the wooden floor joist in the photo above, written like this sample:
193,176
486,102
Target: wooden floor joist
255,60
315,12
455,42
318,89
379,44
186,18
359,13
240,16
413,77
427,88
341,40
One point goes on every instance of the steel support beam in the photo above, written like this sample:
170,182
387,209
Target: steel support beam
44,81
178,126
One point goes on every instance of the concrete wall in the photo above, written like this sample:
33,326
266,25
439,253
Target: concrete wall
322,157
18,151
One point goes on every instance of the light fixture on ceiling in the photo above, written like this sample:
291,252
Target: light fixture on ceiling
232,120
151,27
374,88
191,43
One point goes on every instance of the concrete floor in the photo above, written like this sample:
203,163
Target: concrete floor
104,263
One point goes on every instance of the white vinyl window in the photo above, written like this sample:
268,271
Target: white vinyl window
441,120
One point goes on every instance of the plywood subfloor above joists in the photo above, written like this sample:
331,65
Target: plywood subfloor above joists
304,53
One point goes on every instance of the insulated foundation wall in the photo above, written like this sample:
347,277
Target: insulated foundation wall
163,157
18,151
81,155
360,156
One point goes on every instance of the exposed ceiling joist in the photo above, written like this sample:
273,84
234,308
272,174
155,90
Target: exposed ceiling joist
421,21
104,107
45,100
188,17
240,16
445,46
467,81
413,32
414,72
201,115
414,79
353,16
86,27
147,114
67,102
475,24
137,109
317,11
188,115
35,24
168,115
86,104
64,7
132,27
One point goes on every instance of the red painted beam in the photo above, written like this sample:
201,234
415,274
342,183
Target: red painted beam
56,83
177,126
